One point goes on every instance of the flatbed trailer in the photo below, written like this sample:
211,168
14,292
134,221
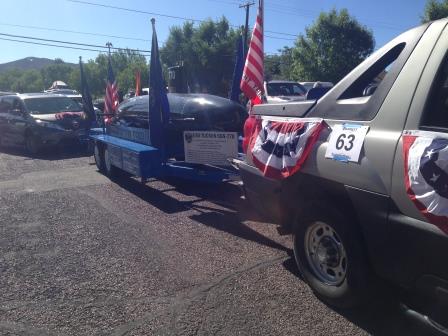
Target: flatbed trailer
145,161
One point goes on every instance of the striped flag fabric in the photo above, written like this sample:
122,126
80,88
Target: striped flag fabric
280,146
138,85
111,100
426,174
253,73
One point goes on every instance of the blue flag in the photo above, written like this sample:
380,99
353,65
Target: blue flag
159,109
238,71
86,98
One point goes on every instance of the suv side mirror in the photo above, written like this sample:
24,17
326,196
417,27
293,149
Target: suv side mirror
17,112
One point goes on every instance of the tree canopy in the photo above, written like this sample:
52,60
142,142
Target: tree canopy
125,64
207,53
278,66
435,10
332,47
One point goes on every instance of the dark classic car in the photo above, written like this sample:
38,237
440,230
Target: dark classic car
38,119
201,112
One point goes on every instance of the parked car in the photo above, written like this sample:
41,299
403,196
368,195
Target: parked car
280,91
371,198
38,119
187,112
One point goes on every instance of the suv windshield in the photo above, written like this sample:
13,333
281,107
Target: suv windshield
50,105
285,89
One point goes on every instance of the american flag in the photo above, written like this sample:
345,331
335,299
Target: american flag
111,100
280,146
253,73
426,174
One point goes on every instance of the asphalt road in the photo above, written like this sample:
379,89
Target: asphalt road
81,255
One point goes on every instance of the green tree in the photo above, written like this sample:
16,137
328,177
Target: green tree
207,53
435,10
272,67
17,80
332,47
125,64
279,66
59,70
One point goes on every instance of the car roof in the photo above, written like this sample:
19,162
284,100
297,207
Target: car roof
3,93
323,83
281,81
40,95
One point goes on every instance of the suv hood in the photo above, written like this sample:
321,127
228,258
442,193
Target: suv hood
59,116
68,120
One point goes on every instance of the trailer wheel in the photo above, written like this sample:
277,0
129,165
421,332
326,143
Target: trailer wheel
109,169
98,154
329,253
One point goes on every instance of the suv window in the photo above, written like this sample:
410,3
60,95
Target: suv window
368,82
436,110
6,104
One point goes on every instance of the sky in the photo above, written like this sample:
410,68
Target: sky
75,22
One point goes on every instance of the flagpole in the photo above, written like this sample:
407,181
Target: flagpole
246,27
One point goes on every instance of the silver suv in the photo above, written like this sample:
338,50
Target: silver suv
382,211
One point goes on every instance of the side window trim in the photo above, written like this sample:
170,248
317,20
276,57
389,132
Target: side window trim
328,106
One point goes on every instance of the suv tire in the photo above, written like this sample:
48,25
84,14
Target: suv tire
33,144
329,254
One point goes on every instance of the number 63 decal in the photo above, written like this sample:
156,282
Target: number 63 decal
345,142
342,143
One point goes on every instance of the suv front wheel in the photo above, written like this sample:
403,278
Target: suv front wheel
33,144
329,253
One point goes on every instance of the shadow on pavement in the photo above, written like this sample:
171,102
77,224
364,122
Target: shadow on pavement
382,315
228,217
53,153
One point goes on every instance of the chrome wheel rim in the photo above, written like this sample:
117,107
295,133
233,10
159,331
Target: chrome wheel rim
326,254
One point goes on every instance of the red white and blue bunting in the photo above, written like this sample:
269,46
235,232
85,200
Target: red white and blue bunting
426,174
280,146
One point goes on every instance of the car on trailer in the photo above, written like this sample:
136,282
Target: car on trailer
126,144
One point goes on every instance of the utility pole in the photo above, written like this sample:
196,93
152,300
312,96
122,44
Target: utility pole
109,45
246,27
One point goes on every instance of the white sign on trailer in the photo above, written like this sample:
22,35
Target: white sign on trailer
214,148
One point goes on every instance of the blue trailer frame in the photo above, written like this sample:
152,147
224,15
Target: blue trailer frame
145,161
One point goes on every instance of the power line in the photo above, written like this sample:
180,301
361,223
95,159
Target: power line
295,11
162,15
74,32
79,46
72,43
51,45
